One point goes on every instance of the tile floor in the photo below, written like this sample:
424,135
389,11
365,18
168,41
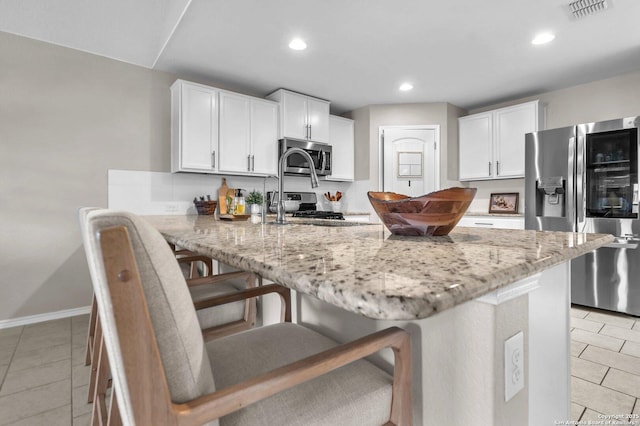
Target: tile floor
605,366
43,380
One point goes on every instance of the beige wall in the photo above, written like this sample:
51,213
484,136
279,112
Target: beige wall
376,116
597,101
66,117
361,141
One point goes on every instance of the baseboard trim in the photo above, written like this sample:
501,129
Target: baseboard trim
32,319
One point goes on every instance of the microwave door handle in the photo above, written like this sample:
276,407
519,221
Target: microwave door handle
324,161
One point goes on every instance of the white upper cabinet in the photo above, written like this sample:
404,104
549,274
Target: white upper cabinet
476,146
341,138
235,133
216,131
264,137
302,117
194,128
492,142
248,135
318,113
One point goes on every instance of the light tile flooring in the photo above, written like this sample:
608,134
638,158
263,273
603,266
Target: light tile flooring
43,380
605,367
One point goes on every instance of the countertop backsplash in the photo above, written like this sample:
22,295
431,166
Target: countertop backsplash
161,193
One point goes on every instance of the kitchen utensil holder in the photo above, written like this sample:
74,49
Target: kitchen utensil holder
206,207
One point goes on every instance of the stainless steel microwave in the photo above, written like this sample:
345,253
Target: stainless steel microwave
296,164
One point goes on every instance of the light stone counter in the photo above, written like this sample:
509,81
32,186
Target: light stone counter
366,270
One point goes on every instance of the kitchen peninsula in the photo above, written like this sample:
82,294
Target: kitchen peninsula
484,285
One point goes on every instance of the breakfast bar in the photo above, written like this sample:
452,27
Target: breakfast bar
461,296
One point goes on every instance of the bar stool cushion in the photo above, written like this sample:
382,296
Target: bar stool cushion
358,394
218,315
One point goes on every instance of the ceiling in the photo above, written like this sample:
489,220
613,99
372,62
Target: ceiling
467,52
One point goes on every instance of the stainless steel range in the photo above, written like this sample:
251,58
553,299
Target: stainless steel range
302,204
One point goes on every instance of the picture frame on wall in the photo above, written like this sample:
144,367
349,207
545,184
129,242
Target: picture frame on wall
504,203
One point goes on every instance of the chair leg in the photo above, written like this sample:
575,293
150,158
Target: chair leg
97,344
92,329
250,307
114,412
100,413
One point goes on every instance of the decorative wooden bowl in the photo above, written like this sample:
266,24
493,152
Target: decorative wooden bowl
435,214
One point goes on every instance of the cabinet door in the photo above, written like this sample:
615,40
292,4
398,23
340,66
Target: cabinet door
294,116
198,123
511,124
341,139
264,136
475,137
235,132
318,119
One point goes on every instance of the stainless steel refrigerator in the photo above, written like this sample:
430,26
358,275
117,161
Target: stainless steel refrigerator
585,178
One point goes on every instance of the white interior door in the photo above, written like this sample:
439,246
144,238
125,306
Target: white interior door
410,160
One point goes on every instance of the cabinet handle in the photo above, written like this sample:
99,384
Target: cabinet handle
489,168
253,163
497,168
483,223
213,159
309,131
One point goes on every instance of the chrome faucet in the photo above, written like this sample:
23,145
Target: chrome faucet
314,179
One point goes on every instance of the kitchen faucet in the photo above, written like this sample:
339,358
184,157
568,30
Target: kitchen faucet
314,179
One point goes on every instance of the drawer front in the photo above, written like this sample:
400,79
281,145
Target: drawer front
492,222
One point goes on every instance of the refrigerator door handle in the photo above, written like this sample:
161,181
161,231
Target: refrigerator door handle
579,195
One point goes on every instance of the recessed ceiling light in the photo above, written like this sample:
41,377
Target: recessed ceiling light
297,44
543,38
405,87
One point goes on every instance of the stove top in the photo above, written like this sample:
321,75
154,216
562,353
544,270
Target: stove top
318,214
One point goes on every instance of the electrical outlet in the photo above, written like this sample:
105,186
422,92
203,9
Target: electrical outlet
513,365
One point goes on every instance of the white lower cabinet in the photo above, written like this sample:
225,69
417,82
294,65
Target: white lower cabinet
357,217
511,222
341,139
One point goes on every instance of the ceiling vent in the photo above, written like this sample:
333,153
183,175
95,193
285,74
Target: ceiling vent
583,8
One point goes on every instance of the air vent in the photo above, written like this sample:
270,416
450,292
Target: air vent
583,8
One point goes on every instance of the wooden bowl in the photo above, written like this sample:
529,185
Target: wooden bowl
435,214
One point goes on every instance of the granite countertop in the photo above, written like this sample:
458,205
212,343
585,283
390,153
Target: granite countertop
364,269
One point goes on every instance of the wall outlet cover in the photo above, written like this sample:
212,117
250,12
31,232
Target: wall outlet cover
513,365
